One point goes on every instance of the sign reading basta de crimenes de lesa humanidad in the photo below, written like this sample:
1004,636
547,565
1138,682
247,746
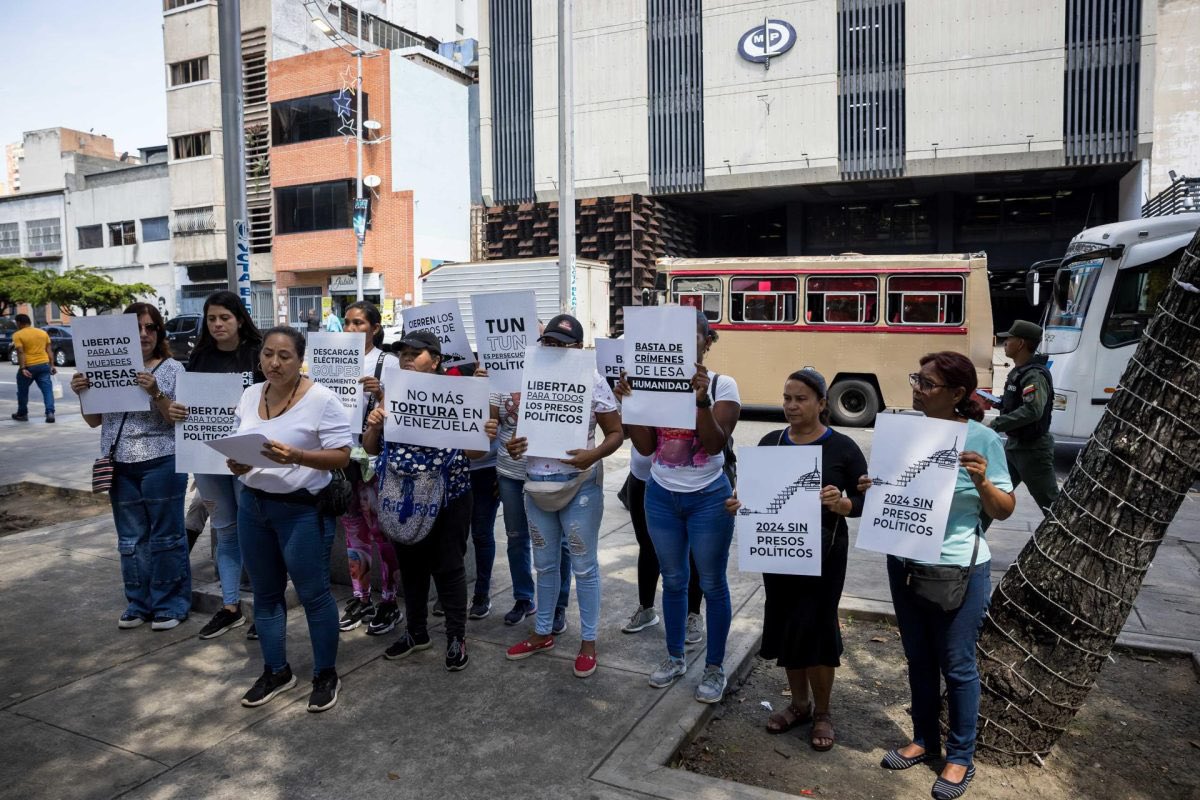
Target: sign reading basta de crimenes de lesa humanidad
660,360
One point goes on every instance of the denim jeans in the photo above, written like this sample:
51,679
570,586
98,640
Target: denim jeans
281,538
577,526
221,491
485,502
937,641
45,381
516,525
147,503
695,523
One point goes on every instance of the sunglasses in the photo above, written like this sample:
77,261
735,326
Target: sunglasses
921,383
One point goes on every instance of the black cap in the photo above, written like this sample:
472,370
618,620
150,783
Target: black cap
564,328
422,340
816,379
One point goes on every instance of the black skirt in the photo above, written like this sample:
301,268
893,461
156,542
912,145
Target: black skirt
800,622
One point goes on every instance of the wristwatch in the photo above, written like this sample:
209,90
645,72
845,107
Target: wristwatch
705,403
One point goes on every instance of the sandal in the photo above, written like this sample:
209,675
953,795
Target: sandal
783,721
822,729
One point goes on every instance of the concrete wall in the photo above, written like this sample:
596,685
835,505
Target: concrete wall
1176,112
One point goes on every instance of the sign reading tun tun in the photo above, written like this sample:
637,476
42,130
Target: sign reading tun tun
434,410
660,360
108,350
505,325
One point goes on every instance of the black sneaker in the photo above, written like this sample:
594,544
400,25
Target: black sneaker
252,633
387,614
21,417
325,691
560,621
438,611
223,620
520,610
480,608
357,612
407,645
456,654
267,686
49,418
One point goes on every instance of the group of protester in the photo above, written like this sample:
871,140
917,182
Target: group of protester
412,509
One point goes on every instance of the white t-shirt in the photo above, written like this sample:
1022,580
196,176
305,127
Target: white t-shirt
317,422
680,463
603,401
639,464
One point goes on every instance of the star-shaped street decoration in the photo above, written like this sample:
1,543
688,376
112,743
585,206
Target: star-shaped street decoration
341,102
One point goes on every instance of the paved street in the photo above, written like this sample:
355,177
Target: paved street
92,712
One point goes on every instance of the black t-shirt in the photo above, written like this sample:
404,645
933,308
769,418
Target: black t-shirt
243,360
842,463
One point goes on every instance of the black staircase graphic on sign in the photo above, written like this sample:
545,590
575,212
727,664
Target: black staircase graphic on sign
943,459
809,482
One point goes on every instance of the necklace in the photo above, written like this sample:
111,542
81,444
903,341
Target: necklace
286,406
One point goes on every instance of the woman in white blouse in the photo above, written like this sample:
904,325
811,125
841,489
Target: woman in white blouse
280,529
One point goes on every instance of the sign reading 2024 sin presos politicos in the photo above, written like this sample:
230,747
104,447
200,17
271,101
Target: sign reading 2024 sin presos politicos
335,362
108,350
914,467
506,325
779,523
556,400
660,360
444,319
211,399
434,410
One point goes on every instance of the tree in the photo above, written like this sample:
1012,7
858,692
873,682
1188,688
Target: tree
81,289
20,283
1057,612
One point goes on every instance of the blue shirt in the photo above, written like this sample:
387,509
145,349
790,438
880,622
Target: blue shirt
966,506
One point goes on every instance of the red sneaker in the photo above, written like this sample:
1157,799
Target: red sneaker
585,665
527,648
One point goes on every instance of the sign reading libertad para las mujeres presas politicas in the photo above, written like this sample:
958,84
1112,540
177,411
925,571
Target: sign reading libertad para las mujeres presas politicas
434,410
660,360
505,325
779,523
108,350
211,399
335,362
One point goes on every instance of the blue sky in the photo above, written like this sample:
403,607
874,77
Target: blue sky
84,64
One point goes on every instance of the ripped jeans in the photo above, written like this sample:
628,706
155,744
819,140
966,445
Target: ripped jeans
579,522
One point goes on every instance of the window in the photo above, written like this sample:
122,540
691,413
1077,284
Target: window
90,236
194,220
10,238
191,145
121,233
925,300
314,207
762,300
848,300
702,293
302,301
155,229
1135,297
307,118
190,71
168,5
44,235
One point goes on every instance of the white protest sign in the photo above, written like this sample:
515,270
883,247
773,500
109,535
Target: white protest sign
505,325
445,321
212,400
610,359
914,466
779,523
660,360
335,361
109,351
556,400
245,448
434,410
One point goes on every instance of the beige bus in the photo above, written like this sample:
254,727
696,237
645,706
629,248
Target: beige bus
862,321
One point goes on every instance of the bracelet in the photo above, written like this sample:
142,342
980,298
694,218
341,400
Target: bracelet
705,403
159,395
300,459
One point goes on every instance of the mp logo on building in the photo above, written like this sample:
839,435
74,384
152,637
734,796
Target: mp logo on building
763,42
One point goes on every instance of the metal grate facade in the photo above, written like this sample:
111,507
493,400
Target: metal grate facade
870,88
674,61
512,100
1103,65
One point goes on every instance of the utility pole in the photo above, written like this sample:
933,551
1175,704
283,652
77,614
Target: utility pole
233,140
566,158
359,203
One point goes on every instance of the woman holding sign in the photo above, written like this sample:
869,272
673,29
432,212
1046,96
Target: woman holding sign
800,620
939,633
147,493
282,528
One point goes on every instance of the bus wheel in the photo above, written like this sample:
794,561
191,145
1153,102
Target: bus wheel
853,403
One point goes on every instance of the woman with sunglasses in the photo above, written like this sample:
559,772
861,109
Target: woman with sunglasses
937,643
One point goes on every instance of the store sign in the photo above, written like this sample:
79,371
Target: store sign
763,42
347,284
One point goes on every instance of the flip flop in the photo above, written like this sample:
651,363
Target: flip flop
822,729
780,723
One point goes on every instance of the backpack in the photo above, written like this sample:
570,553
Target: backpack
410,502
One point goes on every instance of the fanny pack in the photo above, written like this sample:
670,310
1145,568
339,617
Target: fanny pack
557,495
943,586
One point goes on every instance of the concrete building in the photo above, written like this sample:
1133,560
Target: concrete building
32,228
12,169
55,158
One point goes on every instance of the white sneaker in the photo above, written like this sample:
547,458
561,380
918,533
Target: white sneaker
164,623
695,630
669,671
642,618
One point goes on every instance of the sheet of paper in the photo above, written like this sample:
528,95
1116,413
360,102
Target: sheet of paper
244,448
779,523
660,360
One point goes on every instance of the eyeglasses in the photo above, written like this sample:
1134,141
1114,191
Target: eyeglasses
917,381
151,328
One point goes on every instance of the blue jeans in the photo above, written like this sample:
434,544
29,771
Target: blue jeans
281,538
221,491
44,380
147,503
937,641
576,527
695,523
485,502
516,525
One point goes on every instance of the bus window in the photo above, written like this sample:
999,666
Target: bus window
852,300
1063,325
925,300
1135,297
703,293
762,300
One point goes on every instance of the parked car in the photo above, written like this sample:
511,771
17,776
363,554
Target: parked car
7,329
183,332
61,345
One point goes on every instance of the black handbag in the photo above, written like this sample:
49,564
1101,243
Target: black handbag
334,499
943,586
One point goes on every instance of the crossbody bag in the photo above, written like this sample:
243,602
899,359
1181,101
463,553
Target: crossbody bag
943,586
